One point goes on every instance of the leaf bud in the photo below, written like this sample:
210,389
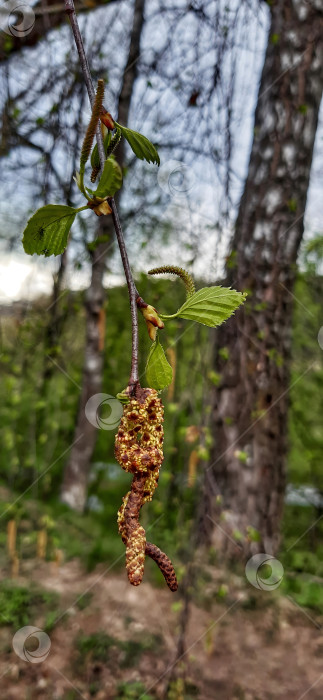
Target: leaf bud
106,119
153,321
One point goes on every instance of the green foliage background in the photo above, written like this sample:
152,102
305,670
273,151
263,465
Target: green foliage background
37,417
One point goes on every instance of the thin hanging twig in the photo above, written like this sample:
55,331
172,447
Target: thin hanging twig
133,293
145,482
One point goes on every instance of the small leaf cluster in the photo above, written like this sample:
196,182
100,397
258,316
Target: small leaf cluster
48,229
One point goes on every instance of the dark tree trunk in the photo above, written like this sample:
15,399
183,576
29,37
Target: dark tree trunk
56,320
245,481
74,488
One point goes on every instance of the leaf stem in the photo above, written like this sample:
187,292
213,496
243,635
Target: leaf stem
133,293
167,316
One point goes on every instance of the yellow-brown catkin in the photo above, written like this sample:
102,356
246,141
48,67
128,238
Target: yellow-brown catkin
91,129
95,172
174,270
138,449
139,441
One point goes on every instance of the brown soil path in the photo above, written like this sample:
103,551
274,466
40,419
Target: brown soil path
232,653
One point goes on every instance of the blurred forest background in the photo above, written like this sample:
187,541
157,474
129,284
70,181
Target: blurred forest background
230,94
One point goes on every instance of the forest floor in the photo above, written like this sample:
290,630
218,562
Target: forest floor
110,640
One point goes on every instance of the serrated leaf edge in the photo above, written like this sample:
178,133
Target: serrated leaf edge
192,301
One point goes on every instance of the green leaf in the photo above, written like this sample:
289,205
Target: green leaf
141,146
211,305
47,231
158,370
110,180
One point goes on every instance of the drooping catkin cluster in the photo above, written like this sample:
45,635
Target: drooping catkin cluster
138,449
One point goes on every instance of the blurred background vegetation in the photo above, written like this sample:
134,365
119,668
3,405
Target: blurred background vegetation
38,418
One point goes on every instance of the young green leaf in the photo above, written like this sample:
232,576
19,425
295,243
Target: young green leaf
158,370
110,180
141,146
210,305
47,230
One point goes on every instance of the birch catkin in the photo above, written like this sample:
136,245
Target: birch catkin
90,132
138,449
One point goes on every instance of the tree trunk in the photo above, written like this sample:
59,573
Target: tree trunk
55,321
245,481
74,488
